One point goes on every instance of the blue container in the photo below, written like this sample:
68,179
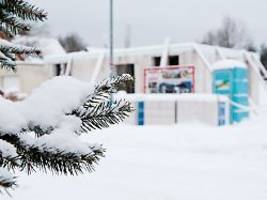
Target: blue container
140,113
232,81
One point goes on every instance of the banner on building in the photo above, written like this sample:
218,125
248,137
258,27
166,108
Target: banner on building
180,79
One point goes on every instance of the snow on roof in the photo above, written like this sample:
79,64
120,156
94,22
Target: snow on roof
48,46
175,48
170,97
153,50
228,63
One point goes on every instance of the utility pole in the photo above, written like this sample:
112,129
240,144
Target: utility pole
111,46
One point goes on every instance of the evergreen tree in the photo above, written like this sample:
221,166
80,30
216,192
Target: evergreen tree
42,131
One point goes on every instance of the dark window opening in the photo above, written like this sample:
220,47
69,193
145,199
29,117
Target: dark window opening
156,61
60,69
126,69
57,70
173,60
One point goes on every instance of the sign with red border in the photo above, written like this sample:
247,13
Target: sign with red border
173,79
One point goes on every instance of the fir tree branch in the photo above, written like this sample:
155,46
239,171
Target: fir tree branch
14,49
8,53
6,62
12,23
13,14
8,155
24,10
105,114
99,111
53,159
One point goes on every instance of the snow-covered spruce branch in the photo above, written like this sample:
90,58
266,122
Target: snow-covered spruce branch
99,110
13,23
105,114
43,153
13,16
8,53
24,10
42,132
8,155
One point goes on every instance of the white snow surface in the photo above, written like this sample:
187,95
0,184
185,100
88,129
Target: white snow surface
186,162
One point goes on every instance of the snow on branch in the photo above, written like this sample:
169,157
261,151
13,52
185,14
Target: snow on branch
23,9
60,152
8,53
7,180
14,15
11,119
8,155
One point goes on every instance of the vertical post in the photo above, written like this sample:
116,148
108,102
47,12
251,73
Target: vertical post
111,61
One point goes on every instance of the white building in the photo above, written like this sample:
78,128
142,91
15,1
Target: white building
93,66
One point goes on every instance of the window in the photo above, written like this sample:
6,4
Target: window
173,60
126,69
156,61
60,69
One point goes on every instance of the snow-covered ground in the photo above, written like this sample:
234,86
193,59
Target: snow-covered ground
184,162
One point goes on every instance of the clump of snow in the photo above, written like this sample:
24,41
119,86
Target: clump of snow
45,107
60,140
11,120
7,149
71,123
48,104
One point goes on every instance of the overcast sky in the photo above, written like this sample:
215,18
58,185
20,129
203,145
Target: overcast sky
151,21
